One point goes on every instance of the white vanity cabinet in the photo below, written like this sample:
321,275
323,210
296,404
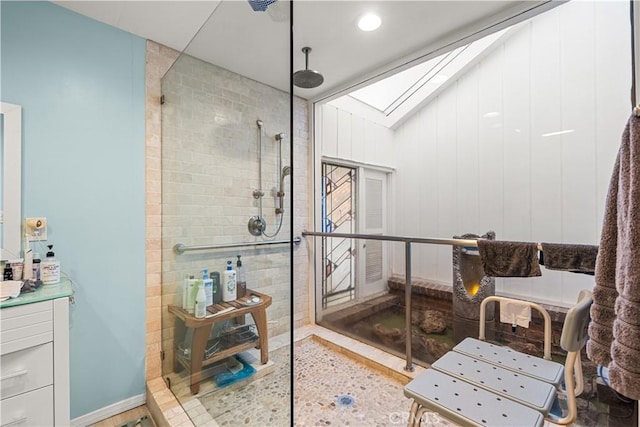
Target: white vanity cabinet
34,364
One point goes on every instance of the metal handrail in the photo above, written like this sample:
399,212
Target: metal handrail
180,248
435,241
408,284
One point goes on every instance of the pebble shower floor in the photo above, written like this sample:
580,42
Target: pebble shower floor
331,389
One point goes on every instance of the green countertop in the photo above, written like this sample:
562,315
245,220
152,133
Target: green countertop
44,293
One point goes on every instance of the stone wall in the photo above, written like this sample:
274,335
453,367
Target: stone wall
432,296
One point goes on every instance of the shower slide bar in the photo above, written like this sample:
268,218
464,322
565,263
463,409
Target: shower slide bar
180,248
407,242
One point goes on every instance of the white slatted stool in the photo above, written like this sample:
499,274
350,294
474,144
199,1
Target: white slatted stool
464,403
469,397
535,367
525,390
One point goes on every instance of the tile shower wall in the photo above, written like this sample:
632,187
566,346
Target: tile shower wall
210,166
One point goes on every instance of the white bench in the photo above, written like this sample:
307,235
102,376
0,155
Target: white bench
481,384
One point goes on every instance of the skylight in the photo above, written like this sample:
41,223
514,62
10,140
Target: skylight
399,94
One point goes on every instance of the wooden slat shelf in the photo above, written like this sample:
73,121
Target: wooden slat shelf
202,329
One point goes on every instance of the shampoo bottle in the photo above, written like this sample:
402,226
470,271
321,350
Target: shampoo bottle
208,287
181,294
217,289
201,302
50,268
197,284
229,283
189,299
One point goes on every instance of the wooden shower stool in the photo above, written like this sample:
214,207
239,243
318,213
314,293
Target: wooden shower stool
202,328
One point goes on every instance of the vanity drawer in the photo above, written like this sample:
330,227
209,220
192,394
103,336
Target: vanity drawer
28,409
26,326
26,370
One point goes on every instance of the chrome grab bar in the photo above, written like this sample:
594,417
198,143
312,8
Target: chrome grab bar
180,248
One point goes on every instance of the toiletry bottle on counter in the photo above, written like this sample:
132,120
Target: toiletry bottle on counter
201,301
27,267
16,267
242,278
50,268
208,287
7,274
229,283
217,289
36,267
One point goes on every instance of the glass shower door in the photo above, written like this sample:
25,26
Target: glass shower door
227,219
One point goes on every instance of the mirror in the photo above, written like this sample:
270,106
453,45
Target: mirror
10,211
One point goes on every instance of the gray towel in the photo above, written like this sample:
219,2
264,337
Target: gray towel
574,258
615,314
509,259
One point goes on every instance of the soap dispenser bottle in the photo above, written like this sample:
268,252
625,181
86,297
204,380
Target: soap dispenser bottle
229,283
242,278
50,268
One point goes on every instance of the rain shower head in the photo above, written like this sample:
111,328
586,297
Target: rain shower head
307,79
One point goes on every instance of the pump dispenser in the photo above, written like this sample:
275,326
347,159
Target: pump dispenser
50,268
242,278
229,291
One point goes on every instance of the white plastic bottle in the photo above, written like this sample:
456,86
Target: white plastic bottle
181,293
229,283
189,298
208,287
50,268
201,302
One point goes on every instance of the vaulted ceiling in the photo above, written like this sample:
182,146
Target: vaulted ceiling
256,44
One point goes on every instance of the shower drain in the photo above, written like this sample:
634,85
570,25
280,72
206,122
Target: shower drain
345,400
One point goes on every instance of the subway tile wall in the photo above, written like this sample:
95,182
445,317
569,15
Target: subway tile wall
210,163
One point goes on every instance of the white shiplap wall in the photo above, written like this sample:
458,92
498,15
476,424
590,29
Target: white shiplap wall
460,171
567,69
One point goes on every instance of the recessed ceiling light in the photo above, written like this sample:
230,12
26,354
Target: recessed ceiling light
369,22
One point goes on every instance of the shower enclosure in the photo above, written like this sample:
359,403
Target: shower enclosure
227,169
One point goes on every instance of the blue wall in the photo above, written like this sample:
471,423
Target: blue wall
81,86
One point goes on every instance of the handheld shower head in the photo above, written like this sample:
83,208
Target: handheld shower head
280,136
285,171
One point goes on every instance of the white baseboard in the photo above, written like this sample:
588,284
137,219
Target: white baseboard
109,411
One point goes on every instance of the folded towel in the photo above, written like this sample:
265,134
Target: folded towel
10,289
509,259
515,313
573,258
